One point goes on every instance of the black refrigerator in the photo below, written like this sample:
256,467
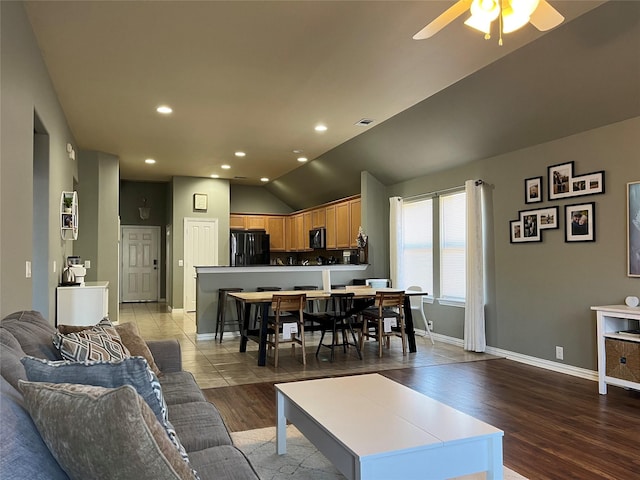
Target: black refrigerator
249,248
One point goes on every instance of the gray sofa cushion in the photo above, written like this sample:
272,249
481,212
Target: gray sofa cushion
199,426
222,463
180,387
33,332
106,434
23,454
10,354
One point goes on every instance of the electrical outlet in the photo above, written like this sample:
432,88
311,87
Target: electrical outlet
87,264
430,324
560,353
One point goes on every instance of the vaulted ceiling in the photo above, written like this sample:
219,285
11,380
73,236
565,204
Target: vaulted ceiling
257,76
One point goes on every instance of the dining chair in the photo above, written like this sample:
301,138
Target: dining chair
376,322
417,310
287,309
337,321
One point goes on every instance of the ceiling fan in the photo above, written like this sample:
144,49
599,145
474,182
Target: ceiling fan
511,15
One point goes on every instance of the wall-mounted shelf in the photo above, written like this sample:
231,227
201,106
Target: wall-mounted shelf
69,215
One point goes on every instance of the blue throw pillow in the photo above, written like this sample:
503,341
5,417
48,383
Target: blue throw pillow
24,453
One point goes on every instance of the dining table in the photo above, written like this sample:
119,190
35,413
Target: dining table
263,300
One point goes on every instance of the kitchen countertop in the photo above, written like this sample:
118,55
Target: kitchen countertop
203,269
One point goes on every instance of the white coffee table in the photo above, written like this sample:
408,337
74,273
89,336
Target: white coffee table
371,427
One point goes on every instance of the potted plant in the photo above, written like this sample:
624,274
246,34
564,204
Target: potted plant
68,202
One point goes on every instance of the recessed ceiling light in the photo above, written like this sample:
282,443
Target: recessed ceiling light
298,151
240,154
302,159
150,161
226,167
264,179
320,128
215,176
164,109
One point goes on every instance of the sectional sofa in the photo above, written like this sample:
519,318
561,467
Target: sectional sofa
114,425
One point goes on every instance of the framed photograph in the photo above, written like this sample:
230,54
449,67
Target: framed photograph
547,218
633,229
525,230
563,183
580,222
200,202
533,190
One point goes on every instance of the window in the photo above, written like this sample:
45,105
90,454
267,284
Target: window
445,280
452,246
417,247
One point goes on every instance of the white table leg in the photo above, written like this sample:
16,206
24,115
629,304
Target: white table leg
281,425
496,469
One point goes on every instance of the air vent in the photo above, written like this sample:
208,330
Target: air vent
365,122
238,177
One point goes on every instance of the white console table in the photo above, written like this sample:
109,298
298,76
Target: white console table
610,320
82,305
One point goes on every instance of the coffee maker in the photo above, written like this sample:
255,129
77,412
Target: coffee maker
77,269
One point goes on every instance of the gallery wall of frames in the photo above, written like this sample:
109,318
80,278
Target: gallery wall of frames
562,182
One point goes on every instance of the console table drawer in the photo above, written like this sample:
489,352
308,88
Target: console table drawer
623,359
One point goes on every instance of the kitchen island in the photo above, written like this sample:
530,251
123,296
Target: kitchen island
209,279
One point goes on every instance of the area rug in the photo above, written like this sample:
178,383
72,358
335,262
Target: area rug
302,460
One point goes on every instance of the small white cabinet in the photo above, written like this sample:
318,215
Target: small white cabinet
82,305
611,320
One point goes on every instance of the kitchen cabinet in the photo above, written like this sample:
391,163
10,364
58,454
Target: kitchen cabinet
318,218
237,222
256,222
290,234
355,221
306,227
343,225
82,305
299,232
330,222
276,228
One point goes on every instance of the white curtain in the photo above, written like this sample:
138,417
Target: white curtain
474,328
395,242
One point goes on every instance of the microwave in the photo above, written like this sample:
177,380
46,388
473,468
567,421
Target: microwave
318,238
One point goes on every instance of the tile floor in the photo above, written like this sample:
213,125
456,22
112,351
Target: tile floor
221,364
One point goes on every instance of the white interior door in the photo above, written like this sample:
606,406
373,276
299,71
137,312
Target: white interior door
200,248
140,264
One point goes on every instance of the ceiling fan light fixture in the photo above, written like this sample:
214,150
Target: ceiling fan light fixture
485,10
479,23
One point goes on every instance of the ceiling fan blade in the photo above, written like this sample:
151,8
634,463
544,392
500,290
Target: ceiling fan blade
545,17
443,20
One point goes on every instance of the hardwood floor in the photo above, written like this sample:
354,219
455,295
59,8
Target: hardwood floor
556,426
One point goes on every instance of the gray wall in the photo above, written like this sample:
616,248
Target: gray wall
26,89
540,293
182,192
247,199
98,227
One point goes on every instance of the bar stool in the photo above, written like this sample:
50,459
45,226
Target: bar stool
257,314
223,299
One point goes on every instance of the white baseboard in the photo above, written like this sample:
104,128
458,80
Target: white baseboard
175,310
519,357
205,336
212,336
